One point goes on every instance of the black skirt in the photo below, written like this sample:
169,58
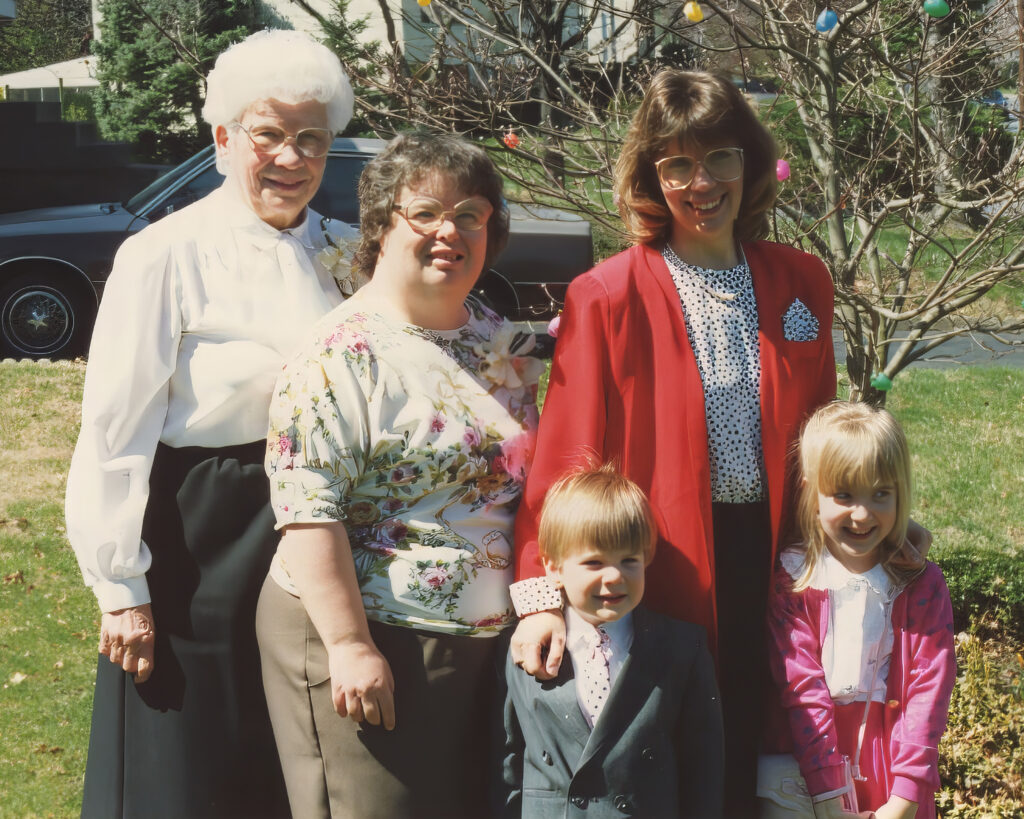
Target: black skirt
743,548
194,740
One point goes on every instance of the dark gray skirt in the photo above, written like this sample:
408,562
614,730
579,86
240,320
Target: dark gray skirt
194,740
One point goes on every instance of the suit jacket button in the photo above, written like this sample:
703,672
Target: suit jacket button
579,802
623,804
647,755
547,758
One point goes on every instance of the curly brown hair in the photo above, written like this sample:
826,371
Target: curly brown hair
409,159
692,107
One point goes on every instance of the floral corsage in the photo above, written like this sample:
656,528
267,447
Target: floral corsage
504,360
337,258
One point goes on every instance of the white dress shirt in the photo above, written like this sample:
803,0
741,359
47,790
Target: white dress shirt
198,316
579,646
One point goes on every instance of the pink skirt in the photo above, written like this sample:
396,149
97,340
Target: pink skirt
875,760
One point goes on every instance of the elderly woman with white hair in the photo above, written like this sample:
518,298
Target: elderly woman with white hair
167,500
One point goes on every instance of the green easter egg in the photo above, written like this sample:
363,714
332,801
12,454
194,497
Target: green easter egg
936,8
881,382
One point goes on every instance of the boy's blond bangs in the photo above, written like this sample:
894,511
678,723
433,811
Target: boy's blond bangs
599,509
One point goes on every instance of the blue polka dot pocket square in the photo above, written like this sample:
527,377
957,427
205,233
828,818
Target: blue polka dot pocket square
799,323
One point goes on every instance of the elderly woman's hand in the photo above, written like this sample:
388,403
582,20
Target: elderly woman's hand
127,637
361,683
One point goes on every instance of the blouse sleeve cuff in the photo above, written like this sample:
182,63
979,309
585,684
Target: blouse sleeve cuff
913,790
823,797
535,594
825,783
114,595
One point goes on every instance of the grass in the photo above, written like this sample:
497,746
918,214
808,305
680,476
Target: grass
48,620
966,428
966,431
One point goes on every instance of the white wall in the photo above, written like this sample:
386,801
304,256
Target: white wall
302,21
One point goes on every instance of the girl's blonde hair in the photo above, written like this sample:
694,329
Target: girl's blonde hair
597,508
854,446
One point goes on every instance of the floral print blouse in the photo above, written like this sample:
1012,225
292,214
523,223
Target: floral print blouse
419,442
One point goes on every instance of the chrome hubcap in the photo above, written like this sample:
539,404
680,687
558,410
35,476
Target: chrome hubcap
36,320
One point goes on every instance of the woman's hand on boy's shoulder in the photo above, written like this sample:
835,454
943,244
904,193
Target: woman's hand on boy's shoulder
538,644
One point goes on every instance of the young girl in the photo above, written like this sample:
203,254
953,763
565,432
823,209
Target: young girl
861,626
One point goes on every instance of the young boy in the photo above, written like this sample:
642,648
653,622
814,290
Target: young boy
632,726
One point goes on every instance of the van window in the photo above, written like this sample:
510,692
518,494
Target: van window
338,197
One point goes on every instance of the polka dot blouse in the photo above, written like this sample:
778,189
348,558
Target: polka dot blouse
721,321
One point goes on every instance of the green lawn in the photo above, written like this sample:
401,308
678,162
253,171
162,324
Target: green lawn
966,428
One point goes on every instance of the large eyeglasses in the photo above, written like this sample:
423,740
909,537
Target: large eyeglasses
721,164
310,142
425,214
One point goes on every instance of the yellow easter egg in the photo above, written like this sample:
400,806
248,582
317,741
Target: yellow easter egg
424,3
693,12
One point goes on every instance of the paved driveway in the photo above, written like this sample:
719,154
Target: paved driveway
977,350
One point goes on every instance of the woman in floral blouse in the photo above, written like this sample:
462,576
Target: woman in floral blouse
398,446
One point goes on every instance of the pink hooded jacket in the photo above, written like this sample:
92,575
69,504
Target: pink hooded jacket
921,677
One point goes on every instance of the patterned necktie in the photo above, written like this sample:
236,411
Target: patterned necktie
595,674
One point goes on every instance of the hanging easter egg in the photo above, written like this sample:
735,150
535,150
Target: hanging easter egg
827,20
936,8
881,382
553,326
782,170
510,139
424,3
693,12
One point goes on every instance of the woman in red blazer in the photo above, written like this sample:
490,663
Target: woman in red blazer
691,361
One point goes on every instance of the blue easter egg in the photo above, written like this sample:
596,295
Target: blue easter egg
827,20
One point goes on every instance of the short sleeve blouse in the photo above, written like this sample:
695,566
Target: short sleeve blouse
419,442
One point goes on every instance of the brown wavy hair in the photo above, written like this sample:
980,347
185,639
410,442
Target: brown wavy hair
408,160
693,107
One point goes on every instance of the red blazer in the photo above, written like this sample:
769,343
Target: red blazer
625,387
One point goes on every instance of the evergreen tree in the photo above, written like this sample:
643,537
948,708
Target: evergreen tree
44,32
153,58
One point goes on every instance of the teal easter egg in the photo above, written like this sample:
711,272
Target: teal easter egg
881,382
936,8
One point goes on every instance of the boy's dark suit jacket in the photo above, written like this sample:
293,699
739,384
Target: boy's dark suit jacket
655,751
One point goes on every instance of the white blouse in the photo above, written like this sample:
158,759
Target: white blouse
198,316
720,311
860,634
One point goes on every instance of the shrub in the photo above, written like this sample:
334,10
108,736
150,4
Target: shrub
981,761
985,584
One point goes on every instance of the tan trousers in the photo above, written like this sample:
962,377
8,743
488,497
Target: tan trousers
434,763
